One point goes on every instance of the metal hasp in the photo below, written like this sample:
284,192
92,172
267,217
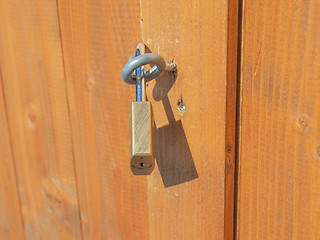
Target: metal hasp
141,125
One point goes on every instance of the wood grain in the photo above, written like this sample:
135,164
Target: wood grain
192,183
36,102
231,115
280,129
11,224
98,38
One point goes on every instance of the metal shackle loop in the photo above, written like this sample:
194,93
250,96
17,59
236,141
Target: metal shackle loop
148,58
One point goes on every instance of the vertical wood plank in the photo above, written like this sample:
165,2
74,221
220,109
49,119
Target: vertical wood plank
11,224
98,38
231,115
35,93
280,128
193,183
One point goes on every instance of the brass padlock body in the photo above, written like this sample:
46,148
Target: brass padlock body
141,148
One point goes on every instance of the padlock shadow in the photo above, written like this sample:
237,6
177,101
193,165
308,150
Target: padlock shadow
173,155
171,148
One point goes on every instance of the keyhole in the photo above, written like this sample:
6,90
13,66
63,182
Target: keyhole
141,164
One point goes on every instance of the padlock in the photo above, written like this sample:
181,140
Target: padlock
141,126
141,148
141,118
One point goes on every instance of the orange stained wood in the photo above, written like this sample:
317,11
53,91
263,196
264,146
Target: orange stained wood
39,126
280,121
11,226
192,185
98,37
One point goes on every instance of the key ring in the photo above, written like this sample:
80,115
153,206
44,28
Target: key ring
141,60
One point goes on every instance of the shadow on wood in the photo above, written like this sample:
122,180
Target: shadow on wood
171,147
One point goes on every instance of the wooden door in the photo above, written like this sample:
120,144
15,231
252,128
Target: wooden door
195,150
67,111
279,167
249,134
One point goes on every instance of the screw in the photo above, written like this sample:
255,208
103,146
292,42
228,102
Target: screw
181,108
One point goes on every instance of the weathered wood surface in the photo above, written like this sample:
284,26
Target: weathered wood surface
38,119
11,226
192,183
280,121
98,37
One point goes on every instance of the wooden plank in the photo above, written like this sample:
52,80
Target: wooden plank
280,111
98,38
11,226
231,114
193,184
35,93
